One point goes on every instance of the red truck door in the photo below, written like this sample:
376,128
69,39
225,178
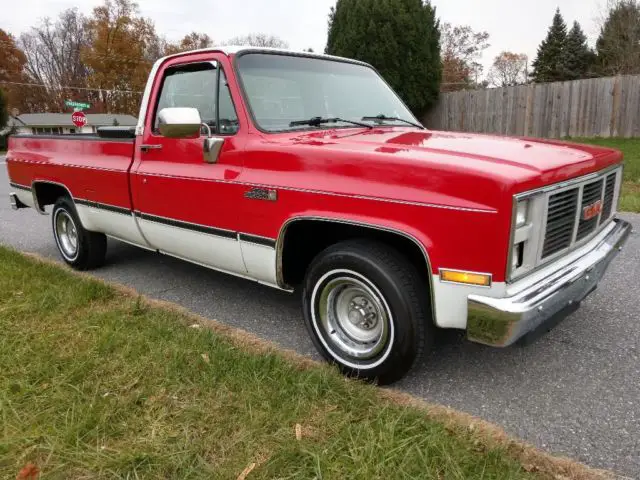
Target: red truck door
186,207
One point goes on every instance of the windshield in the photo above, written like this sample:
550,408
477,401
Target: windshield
281,89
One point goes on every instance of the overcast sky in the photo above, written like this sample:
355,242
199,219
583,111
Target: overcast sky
514,25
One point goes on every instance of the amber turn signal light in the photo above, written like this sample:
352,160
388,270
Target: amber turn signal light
469,278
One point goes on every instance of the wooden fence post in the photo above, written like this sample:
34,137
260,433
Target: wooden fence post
528,114
615,108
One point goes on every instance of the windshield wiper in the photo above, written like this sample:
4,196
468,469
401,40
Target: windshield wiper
317,121
381,118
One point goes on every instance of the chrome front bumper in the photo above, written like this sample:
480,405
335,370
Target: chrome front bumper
503,321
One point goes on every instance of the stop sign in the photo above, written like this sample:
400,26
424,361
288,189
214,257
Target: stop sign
79,119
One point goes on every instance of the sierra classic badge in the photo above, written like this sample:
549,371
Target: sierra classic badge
591,211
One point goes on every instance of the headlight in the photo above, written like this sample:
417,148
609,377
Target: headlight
521,213
525,234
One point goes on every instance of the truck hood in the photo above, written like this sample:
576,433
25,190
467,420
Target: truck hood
459,170
524,162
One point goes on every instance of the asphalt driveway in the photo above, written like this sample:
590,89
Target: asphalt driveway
574,392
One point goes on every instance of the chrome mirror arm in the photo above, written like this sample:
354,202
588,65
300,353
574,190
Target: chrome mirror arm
208,129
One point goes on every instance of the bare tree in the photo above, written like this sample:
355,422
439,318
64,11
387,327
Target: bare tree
508,69
52,51
258,40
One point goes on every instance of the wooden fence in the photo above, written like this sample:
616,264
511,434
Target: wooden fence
602,107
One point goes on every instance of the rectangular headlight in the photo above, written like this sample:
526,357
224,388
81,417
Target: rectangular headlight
521,213
528,212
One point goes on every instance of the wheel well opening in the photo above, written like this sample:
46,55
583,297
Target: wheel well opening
48,193
304,239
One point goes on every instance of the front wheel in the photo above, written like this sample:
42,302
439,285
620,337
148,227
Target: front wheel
80,248
366,310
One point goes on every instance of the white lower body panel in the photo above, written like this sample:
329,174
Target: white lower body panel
117,225
450,301
260,262
209,250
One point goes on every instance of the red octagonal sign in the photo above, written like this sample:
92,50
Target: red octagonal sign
79,119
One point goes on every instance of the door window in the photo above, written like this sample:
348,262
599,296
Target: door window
196,86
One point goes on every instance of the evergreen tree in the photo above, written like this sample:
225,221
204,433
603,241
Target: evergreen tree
400,38
549,63
578,57
618,45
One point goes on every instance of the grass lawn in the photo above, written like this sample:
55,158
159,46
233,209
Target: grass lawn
630,147
98,383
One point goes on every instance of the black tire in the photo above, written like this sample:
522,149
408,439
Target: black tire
89,249
355,272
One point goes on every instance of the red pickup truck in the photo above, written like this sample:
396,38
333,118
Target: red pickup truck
304,170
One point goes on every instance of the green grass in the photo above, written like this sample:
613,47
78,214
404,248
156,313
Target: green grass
630,147
96,383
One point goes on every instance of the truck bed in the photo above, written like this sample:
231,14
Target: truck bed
91,167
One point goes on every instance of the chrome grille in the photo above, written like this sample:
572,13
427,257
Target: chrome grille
569,220
591,193
609,191
560,221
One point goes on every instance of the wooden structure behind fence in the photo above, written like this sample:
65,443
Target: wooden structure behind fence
597,107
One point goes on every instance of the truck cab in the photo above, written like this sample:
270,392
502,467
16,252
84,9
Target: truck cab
307,173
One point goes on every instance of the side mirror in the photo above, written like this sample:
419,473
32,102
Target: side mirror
179,122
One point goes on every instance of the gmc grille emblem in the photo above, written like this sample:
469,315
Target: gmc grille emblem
591,211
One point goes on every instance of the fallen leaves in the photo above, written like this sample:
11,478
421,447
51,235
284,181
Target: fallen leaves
260,458
28,472
246,471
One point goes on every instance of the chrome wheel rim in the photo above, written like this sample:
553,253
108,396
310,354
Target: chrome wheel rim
352,319
66,234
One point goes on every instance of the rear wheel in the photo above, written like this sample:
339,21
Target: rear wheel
366,310
80,248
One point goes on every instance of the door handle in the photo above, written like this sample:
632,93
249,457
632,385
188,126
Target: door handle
146,148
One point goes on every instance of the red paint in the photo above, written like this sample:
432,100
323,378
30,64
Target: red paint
79,119
451,191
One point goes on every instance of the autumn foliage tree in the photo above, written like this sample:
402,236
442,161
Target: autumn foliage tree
121,51
103,58
461,49
12,61
4,110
